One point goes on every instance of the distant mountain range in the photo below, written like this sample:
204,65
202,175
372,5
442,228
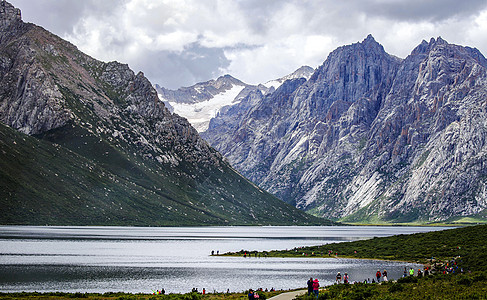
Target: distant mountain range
203,101
84,142
369,137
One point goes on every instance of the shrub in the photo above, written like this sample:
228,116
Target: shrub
261,295
396,287
192,296
78,295
408,279
464,281
479,277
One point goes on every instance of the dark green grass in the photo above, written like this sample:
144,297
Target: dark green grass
71,177
463,286
128,296
468,243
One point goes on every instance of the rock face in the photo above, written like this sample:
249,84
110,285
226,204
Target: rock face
369,137
105,121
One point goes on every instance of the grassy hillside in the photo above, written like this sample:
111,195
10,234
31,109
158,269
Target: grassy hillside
46,183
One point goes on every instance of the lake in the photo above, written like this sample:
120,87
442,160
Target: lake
142,259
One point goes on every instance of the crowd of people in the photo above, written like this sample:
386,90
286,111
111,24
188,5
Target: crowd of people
159,292
382,276
436,266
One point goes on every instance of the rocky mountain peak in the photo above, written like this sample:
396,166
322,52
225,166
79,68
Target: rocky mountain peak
438,41
421,48
370,40
9,14
225,81
302,72
426,47
370,136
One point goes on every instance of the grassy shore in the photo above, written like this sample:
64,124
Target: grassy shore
467,243
461,286
458,256
128,296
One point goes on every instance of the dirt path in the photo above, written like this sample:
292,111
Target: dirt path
288,296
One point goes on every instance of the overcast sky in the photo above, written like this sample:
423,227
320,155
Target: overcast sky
181,42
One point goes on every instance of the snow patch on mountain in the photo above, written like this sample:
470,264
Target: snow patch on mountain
199,114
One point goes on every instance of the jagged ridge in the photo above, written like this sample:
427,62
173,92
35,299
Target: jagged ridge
369,137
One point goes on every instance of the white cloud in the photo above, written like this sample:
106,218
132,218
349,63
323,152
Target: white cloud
180,42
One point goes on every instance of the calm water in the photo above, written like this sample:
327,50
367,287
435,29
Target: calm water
134,259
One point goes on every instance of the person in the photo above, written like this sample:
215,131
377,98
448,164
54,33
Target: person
316,287
204,291
251,295
310,286
405,273
163,291
426,271
384,275
378,275
338,278
345,278
420,274
411,272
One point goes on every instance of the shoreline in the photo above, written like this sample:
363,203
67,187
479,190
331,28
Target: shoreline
347,257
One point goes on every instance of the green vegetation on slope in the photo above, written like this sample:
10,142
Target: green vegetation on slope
470,243
467,245
45,182
462,286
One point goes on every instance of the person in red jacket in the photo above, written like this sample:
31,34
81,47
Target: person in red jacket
316,287
378,275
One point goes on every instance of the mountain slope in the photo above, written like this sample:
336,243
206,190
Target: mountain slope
95,145
369,137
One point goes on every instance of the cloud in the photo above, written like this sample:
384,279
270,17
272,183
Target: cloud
420,11
181,42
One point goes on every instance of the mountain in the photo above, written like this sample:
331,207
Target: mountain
203,101
302,72
369,137
85,142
